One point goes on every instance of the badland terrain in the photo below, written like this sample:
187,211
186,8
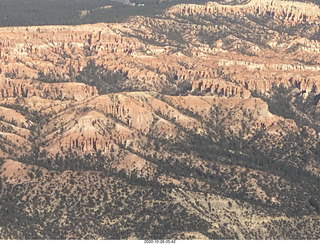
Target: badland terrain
199,122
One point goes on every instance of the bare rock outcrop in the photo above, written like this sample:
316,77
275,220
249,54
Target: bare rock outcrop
290,12
30,88
221,88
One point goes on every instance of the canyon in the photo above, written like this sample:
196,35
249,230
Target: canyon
212,107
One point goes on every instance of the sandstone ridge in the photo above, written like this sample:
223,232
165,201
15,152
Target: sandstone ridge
291,13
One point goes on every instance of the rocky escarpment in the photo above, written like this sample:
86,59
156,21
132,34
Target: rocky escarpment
58,48
221,88
202,59
291,13
201,120
149,57
10,88
111,123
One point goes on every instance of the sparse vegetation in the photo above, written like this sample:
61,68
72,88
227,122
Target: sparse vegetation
175,149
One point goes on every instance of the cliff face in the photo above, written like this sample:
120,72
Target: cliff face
149,56
214,59
201,59
10,88
220,88
215,105
291,13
